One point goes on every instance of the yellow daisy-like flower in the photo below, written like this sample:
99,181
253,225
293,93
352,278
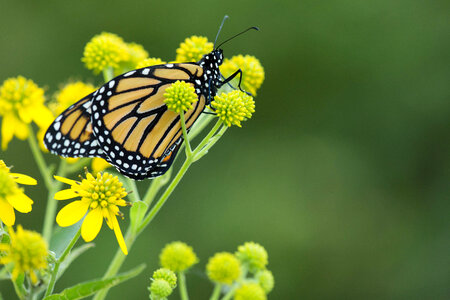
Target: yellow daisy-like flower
21,102
179,96
152,61
234,107
12,196
193,49
252,72
105,50
101,197
27,251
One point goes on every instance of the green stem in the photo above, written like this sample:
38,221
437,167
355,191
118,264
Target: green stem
230,293
155,209
18,290
37,154
216,292
183,287
108,74
134,189
52,204
185,136
51,284
200,152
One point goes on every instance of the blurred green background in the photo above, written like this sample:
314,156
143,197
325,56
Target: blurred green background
342,174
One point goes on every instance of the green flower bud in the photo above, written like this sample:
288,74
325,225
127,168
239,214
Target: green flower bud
265,280
253,256
167,275
178,257
160,289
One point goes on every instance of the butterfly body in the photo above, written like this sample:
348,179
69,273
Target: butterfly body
127,122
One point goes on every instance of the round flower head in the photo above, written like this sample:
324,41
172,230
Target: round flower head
152,61
180,96
193,49
250,291
137,54
12,196
252,71
160,289
27,251
166,275
178,257
103,51
265,280
21,102
234,107
224,268
253,256
101,197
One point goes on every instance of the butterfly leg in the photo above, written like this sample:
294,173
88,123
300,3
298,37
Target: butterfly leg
231,77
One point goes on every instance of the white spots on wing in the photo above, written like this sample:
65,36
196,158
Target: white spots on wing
146,71
102,89
111,84
58,136
129,73
169,65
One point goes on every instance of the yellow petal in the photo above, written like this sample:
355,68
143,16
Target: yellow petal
72,213
21,130
8,123
66,194
23,179
20,202
7,213
65,180
42,116
119,235
99,164
92,225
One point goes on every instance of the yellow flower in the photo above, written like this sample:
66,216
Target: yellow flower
179,96
178,257
27,251
193,49
252,72
99,164
21,102
152,61
265,280
101,197
233,107
250,291
137,54
11,195
105,50
253,256
223,267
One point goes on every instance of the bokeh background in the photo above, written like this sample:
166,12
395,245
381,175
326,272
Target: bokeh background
342,174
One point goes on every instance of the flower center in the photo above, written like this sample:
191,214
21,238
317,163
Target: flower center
7,185
104,191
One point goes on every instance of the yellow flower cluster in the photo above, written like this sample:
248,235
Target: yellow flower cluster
178,257
21,102
224,268
234,107
151,61
28,252
180,96
108,50
101,197
11,195
252,72
193,49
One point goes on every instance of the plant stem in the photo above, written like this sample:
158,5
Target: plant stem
50,210
37,154
182,284
216,292
134,189
66,252
230,293
108,74
185,136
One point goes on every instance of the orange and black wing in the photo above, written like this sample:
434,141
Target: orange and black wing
132,124
71,134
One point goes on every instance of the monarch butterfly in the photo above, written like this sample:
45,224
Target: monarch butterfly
126,121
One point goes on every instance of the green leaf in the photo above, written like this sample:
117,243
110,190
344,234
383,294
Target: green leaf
85,289
137,213
62,237
72,256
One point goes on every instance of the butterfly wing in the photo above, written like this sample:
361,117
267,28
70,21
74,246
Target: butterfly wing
71,134
136,131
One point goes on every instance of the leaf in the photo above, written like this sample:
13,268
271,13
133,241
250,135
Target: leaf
137,213
62,237
85,289
72,256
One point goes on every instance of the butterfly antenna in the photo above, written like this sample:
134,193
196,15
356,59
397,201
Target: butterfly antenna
250,28
220,29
